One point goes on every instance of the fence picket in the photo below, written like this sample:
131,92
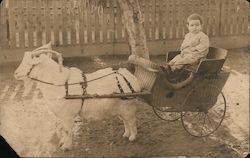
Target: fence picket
20,21
184,18
101,25
111,21
164,19
119,25
11,19
216,15
210,18
86,23
74,23
92,26
175,19
171,19
4,24
146,18
81,22
179,19
152,19
245,9
25,23
30,24
54,25
96,26
157,20
64,33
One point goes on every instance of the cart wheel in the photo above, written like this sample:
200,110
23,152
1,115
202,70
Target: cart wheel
166,115
204,121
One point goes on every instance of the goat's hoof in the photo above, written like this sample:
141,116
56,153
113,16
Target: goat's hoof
64,146
131,138
126,134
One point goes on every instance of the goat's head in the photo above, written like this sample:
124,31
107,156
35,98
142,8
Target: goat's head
32,59
26,66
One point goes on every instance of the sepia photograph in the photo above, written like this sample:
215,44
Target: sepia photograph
124,78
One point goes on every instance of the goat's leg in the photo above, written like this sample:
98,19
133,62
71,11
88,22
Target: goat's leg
126,129
62,136
67,142
126,126
132,128
128,114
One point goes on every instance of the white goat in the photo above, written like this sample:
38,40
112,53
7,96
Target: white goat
41,67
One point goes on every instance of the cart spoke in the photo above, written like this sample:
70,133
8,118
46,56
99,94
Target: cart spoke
209,120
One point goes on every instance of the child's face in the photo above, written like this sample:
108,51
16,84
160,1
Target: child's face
194,26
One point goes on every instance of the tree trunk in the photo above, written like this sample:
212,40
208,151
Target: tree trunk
133,21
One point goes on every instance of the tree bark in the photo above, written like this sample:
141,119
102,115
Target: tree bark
133,21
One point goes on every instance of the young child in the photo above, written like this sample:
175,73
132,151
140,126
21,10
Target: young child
195,44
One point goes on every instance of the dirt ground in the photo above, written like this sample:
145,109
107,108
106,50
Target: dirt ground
26,124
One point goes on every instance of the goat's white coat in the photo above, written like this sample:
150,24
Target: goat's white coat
46,69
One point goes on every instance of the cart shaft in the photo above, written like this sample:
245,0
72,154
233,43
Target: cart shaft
115,95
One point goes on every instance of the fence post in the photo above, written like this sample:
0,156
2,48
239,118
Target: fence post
220,28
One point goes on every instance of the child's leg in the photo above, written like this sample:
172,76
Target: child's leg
181,61
176,58
186,59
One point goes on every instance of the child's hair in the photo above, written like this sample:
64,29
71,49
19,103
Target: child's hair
194,16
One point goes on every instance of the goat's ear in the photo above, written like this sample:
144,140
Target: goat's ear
35,60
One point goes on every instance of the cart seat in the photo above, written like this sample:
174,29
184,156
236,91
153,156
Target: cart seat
211,64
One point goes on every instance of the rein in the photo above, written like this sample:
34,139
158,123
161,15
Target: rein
81,83
84,82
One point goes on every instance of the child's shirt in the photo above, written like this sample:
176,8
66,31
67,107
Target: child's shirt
195,45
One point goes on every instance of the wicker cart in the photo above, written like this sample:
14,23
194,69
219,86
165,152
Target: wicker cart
197,101
200,103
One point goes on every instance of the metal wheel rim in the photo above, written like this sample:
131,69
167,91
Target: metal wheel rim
183,114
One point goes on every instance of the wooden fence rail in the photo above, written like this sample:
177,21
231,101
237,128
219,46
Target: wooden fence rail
31,23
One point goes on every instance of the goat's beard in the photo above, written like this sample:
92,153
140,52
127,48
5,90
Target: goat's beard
27,86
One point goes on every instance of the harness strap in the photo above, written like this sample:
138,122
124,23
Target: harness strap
128,83
42,81
119,85
67,88
84,91
84,86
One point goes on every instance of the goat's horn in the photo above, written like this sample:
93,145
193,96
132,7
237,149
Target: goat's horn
58,55
46,46
45,51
